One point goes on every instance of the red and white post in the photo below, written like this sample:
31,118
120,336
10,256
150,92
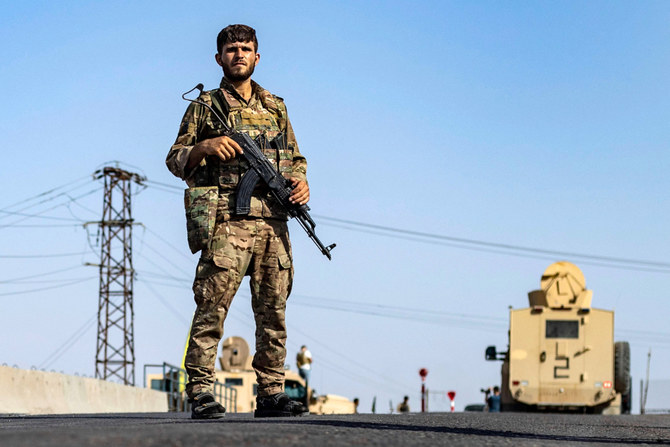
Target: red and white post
452,395
423,372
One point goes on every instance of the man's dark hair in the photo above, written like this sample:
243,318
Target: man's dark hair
496,389
236,33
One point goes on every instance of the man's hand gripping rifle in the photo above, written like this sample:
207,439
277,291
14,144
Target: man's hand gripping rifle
262,169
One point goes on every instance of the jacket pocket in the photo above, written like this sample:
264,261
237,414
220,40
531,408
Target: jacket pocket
200,206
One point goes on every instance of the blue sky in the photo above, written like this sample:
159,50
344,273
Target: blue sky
531,124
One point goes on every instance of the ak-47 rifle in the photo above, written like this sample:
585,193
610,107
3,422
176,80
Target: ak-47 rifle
262,169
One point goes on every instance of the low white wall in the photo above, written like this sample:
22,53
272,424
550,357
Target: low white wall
39,392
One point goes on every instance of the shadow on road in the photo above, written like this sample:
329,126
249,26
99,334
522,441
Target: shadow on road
461,431
129,423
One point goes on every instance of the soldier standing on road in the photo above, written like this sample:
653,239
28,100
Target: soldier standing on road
403,407
256,244
304,361
493,400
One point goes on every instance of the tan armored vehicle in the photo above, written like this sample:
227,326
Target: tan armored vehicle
561,354
236,371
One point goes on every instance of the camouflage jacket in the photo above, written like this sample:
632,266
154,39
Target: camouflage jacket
264,114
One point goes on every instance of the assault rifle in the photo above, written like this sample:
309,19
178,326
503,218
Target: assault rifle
262,169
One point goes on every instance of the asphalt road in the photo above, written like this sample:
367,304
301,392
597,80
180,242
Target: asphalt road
428,429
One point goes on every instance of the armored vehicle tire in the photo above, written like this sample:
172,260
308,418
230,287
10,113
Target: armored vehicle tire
622,367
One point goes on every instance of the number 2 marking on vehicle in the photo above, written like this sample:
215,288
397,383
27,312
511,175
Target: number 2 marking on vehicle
565,367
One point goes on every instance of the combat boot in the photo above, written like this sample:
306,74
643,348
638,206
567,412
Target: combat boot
204,406
278,405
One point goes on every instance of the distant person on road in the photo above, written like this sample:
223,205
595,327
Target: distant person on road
304,361
238,242
493,400
403,407
356,402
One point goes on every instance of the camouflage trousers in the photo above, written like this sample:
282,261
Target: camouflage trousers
259,248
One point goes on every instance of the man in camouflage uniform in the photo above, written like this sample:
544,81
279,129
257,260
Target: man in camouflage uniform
256,244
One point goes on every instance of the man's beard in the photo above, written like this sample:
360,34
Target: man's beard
240,75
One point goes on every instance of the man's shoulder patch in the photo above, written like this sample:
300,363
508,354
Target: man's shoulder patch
206,96
275,103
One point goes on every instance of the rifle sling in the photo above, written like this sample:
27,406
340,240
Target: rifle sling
219,103
248,182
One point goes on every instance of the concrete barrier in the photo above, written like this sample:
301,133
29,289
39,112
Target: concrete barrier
39,392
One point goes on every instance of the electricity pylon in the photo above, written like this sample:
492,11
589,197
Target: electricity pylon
115,357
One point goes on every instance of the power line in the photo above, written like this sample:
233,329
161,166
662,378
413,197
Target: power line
62,349
169,244
169,191
645,345
55,255
480,322
37,216
657,338
167,305
662,266
47,281
328,365
39,275
140,254
161,276
76,202
333,366
374,306
165,185
491,247
471,321
72,199
350,360
46,288
47,192
646,333
163,257
339,370
330,349
486,323
75,225
491,250
27,206
488,327
159,283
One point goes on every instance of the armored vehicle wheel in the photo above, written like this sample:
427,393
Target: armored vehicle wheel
622,367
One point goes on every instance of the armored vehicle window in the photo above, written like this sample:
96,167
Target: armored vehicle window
234,381
562,329
294,390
